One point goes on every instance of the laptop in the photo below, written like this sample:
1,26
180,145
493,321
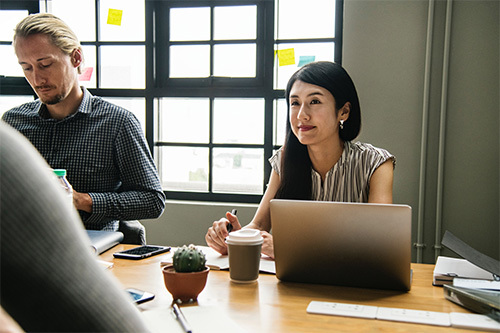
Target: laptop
344,244
482,301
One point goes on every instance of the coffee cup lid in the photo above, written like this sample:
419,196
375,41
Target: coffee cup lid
245,237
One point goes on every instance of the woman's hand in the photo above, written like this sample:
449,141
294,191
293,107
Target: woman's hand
268,245
217,233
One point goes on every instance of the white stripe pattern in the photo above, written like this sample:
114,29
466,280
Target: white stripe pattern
349,179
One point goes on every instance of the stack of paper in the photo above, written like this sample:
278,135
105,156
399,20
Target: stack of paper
447,269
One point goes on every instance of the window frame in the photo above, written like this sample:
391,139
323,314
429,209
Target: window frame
213,87
158,85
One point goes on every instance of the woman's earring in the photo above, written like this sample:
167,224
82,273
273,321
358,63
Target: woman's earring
342,124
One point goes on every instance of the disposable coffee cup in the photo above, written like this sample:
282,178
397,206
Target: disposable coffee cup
244,248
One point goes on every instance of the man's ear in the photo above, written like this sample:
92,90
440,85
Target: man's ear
345,111
77,58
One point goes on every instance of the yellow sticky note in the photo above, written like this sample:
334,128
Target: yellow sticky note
115,16
286,57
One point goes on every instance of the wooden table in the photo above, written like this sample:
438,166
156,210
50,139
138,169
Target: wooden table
273,306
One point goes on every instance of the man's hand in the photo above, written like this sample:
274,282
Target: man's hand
82,201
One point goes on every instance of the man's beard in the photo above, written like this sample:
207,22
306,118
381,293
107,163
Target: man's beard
49,100
54,100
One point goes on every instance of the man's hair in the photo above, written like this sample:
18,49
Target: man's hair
57,30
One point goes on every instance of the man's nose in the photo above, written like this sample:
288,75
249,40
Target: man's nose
38,77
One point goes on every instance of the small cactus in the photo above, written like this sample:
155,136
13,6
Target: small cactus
189,259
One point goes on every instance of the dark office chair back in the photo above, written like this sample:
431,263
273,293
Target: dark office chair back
133,232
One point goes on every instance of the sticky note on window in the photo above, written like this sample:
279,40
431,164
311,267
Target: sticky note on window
115,16
304,60
286,57
86,74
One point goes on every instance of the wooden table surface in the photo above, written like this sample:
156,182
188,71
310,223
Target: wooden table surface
273,306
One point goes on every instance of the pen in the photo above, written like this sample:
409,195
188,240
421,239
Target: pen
180,317
230,226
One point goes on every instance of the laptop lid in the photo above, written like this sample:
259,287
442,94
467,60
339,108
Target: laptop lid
345,244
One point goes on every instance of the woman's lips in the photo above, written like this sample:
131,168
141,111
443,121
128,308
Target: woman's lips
306,128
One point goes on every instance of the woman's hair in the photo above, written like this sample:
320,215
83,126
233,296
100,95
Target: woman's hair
295,171
56,29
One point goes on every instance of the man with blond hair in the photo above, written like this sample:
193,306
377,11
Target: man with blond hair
101,145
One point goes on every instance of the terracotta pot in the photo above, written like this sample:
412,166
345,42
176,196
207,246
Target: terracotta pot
184,286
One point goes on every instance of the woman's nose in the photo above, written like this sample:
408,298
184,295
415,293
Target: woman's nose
303,112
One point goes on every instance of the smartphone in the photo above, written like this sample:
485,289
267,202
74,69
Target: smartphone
141,252
140,296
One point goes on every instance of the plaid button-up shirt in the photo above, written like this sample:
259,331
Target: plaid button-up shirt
105,153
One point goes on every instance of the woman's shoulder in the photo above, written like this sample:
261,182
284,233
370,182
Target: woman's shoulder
275,159
366,150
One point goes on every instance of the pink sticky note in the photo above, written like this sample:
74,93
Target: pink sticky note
86,74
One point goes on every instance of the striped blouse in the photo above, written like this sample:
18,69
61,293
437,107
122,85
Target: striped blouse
348,180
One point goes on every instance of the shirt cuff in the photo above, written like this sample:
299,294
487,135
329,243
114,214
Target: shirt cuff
98,203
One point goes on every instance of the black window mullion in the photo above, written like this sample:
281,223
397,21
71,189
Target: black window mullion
212,15
212,103
32,6
339,30
150,73
266,37
97,45
210,144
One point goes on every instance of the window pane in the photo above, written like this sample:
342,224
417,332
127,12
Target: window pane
238,170
184,120
189,61
136,105
235,60
235,22
239,120
8,21
123,67
122,20
187,24
81,19
9,65
183,168
317,19
303,53
8,102
280,120
88,76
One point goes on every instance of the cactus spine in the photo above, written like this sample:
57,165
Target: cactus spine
189,259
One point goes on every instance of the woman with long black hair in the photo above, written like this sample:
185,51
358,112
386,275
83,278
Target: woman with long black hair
319,160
